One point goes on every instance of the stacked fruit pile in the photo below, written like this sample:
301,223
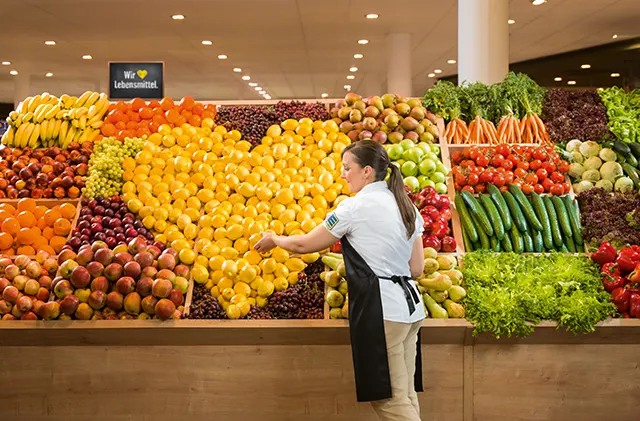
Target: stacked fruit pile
28,228
390,117
25,287
43,173
140,118
131,281
436,214
337,288
420,165
46,120
441,286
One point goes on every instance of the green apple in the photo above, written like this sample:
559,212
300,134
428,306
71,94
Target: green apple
426,166
407,144
424,182
440,168
409,169
424,146
432,156
414,154
413,183
435,149
400,162
437,177
395,152
441,188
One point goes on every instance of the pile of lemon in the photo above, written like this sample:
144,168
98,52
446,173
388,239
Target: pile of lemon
207,194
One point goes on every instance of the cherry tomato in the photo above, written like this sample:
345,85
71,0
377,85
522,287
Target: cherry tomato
508,177
538,188
540,153
498,180
460,179
476,170
527,188
527,156
497,160
481,188
473,179
556,177
507,164
549,167
502,150
563,167
519,173
547,184
535,164
469,189
486,177
556,190
456,157
542,174
531,178
473,153
482,161
566,187
524,165
517,183
466,153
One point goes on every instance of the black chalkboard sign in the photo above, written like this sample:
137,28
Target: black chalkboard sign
136,80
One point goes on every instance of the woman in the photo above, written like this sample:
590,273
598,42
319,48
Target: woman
380,232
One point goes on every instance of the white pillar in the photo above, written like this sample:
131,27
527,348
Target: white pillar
21,87
399,64
483,40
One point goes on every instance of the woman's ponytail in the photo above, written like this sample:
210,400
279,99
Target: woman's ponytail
407,210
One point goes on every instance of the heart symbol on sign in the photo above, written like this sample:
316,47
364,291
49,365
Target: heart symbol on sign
142,73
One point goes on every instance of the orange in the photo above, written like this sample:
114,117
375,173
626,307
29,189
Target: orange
8,208
41,224
48,249
40,242
51,216
10,226
6,241
26,236
5,214
9,252
68,210
26,204
48,233
26,219
26,251
57,243
40,210
62,227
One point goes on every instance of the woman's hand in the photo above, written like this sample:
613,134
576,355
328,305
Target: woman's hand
266,244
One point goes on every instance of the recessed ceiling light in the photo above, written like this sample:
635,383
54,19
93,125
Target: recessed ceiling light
511,21
437,71
6,63
431,75
372,16
253,84
325,95
358,56
237,69
207,42
351,77
222,57
363,41
177,17
347,87
267,97
585,66
538,2
86,57
614,36
353,69
258,88
615,74
246,77
262,92
13,72
451,61
49,74
49,43
558,79
571,82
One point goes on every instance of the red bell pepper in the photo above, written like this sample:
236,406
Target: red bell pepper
620,297
627,260
612,282
634,277
634,305
605,254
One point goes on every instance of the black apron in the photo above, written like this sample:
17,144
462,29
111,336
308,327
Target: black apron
368,342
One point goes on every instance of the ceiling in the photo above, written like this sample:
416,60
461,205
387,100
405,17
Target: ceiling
293,48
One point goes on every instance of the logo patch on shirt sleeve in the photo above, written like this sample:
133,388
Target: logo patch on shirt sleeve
332,221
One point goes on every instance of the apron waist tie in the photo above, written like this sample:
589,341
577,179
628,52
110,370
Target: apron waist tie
409,293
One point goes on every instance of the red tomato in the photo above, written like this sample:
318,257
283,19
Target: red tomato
566,187
456,157
524,165
549,167
482,161
556,177
466,152
556,190
527,188
473,153
497,160
499,180
542,174
508,177
460,179
540,153
563,167
517,183
507,164
502,150
473,179
481,188
486,177
535,164
531,178
519,172
547,184
538,188
469,189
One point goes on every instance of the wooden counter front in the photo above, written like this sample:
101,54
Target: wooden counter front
301,370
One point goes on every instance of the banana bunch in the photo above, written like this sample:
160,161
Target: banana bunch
46,120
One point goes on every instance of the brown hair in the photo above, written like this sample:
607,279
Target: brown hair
372,154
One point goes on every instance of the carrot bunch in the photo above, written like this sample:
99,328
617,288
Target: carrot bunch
482,131
532,130
456,131
509,130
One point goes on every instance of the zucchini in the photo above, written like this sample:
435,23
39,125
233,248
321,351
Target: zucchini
553,221
622,148
516,240
538,243
632,173
541,212
492,213
465,219
632,160
571,246
518,218
620,159
468,245
563,218
506,243
575,225
635,149
503,209
528,242
483,238
495,244
480,218
527,209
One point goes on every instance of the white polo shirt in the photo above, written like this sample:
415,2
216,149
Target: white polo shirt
372,222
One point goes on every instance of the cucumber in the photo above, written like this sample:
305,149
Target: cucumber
506,243
538,243
564,249
632,173
553,221
465,219
501,204
480,218
518,218
527,209
632,160
468,245
541,212
563,217
579,248
571,246
577,234
622,148
635,149
492,213
495,244
483,238
528,242
621,159
516,240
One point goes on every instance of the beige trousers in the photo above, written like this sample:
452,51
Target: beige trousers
401,352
